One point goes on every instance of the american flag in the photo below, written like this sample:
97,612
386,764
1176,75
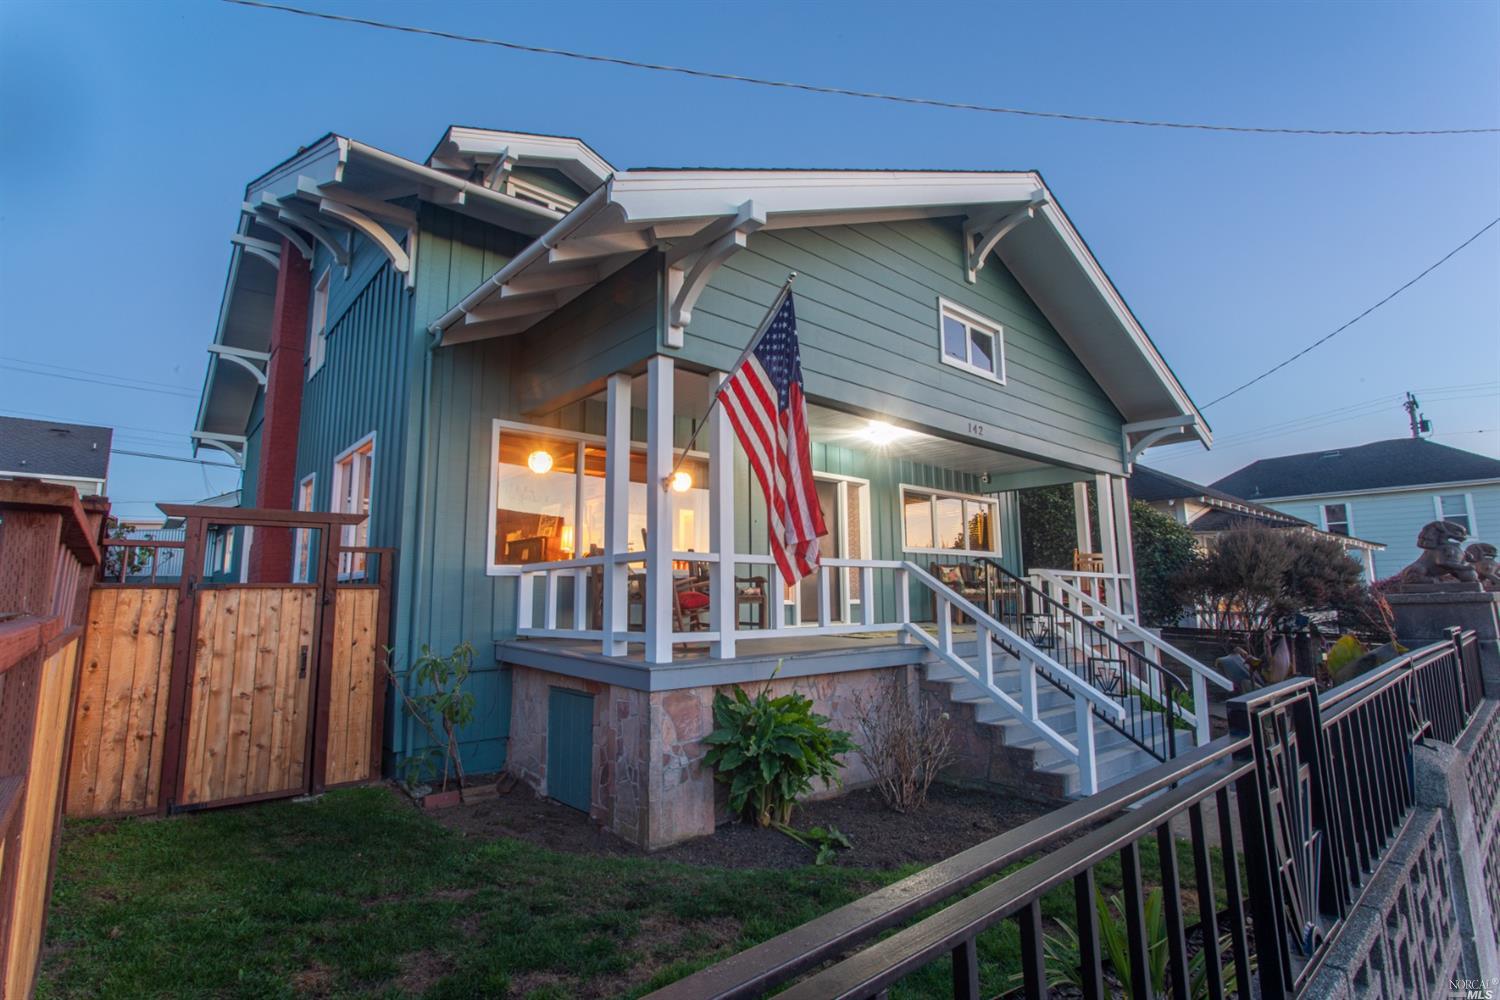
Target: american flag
763,397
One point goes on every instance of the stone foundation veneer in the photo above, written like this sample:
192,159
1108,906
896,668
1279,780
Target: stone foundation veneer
649,783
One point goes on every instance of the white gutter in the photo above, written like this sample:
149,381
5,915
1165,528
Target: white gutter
440,179
538,247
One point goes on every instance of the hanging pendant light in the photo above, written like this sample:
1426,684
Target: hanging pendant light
539,461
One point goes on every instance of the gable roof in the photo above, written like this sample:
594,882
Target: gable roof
696,217
1381,465
1228,511
51,448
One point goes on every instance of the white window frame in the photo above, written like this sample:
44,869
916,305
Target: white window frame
317,340
344,463
497,427
307,500
1348,516
991,499
971,321
1437,507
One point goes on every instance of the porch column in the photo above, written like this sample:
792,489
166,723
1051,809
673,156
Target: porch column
659,453
615,578
723,612
1119,490
1083,529
1108,541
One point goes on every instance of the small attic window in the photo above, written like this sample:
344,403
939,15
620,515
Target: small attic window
537,195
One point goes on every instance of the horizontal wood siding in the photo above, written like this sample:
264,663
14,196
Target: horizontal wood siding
1396,518
867,316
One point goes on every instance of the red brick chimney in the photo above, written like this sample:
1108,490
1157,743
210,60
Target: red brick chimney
271,550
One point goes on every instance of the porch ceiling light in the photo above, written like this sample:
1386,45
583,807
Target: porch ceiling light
681,482
539,461
880,432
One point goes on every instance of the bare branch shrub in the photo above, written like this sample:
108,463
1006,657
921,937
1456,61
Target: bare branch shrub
905,744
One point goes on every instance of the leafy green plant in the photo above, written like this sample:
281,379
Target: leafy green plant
823,840
1063,955
769,750
440,705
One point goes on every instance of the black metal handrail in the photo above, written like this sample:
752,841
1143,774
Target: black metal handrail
1096,656
1321,787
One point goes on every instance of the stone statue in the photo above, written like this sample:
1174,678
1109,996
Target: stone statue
1442,558
1481,556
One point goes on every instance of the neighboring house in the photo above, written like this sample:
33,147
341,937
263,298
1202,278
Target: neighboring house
75,455
497,353
222,547
1210,512
1384,491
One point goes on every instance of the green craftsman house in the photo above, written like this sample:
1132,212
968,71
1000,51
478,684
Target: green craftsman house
498,352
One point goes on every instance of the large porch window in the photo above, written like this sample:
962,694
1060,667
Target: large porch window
548,498
938,522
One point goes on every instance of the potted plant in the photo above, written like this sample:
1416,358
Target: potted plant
438,702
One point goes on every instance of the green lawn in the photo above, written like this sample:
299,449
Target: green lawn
359,894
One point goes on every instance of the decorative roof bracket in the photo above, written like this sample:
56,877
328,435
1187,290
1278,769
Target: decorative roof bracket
370,229
224,443
266,216
1150,431
243,357
291,215
692,262
984,233
266,251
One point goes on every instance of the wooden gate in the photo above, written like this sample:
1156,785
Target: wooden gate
205,693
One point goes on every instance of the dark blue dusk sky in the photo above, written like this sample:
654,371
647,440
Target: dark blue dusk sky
129,131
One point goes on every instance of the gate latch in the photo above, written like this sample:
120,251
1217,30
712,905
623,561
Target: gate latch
302,663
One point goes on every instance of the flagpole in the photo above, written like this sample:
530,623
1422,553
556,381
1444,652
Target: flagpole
713,400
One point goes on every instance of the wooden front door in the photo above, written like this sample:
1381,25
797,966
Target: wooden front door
249,696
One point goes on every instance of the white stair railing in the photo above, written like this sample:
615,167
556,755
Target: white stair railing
1054,584
987,633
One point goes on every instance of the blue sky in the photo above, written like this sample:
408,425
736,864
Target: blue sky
128,131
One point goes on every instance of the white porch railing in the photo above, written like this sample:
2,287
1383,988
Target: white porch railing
1060,585
615,633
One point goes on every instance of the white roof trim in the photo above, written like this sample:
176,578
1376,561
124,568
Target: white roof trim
1412,488
659,206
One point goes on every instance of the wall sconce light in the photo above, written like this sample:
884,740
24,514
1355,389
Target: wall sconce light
880,432
539,461
681,482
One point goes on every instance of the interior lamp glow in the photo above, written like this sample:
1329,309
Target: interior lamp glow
539,461
880,432
681,482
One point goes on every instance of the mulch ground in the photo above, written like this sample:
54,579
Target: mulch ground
953,819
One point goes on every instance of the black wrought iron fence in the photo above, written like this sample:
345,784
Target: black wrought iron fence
1152,696
1305,794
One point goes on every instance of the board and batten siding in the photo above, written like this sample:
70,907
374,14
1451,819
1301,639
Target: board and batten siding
1396,517
867,318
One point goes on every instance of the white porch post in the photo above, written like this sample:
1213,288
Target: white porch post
659,453
1082,527
1119,490
1108,542
615,578
723,612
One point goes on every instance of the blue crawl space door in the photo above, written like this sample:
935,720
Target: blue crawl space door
570,747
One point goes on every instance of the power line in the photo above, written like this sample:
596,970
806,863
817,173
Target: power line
174,435
173,458
86,371
99,381
1327,337
842,91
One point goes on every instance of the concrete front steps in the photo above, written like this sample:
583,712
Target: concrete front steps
1002,749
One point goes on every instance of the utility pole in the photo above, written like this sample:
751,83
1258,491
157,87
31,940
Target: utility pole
1419,423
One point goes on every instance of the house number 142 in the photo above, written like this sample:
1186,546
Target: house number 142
976,429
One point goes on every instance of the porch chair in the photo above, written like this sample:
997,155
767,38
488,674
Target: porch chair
956,580
1089,562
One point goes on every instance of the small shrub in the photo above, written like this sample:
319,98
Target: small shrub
440,706
906,745
769,750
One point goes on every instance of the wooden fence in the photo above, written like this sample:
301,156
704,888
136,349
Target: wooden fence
47,556
210,693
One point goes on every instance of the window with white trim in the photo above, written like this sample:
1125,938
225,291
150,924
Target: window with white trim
970,341
317,341
1455,507
935,521
353,478
545,511
302,565
1336,518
